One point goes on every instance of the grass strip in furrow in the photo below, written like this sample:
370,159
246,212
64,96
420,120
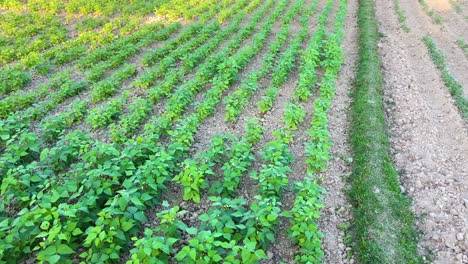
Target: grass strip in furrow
308,202
436,18
99,186
383,225
455,88
463,46
401,16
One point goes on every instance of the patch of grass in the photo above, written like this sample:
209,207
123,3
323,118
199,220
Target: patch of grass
464,46
456,6
401,16
383,225
455,88
430,12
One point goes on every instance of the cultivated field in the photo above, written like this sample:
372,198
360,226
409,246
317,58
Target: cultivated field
234,131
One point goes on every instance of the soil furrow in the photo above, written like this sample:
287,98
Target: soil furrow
336,214
428,139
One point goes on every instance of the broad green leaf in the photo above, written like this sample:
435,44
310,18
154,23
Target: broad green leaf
64,249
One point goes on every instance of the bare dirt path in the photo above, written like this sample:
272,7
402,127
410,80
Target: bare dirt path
429,139
337,211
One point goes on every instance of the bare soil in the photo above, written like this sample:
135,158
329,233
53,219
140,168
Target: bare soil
428,136
337,211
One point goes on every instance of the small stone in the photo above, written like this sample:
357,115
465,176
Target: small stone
460,236
341,246
270,255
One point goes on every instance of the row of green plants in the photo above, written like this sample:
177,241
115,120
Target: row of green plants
182,135
179,9
309,195
455,88
27,33
94,174
401,16
311,58
127,125
111,112
121,131
45,61
463,46
183,96
101,117
21,99
16,124
81,7
236,102
286,64
232,155
15,78
431,12
66,52
230,230
181,139
164,62
100,91
153,56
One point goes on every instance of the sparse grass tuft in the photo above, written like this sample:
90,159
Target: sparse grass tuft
401,16
455,88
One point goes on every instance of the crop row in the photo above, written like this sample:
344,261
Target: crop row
180,143
73,49
129,123
236,102
95,176
455,88
100,90
308,202
230,230
121,131
285,65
